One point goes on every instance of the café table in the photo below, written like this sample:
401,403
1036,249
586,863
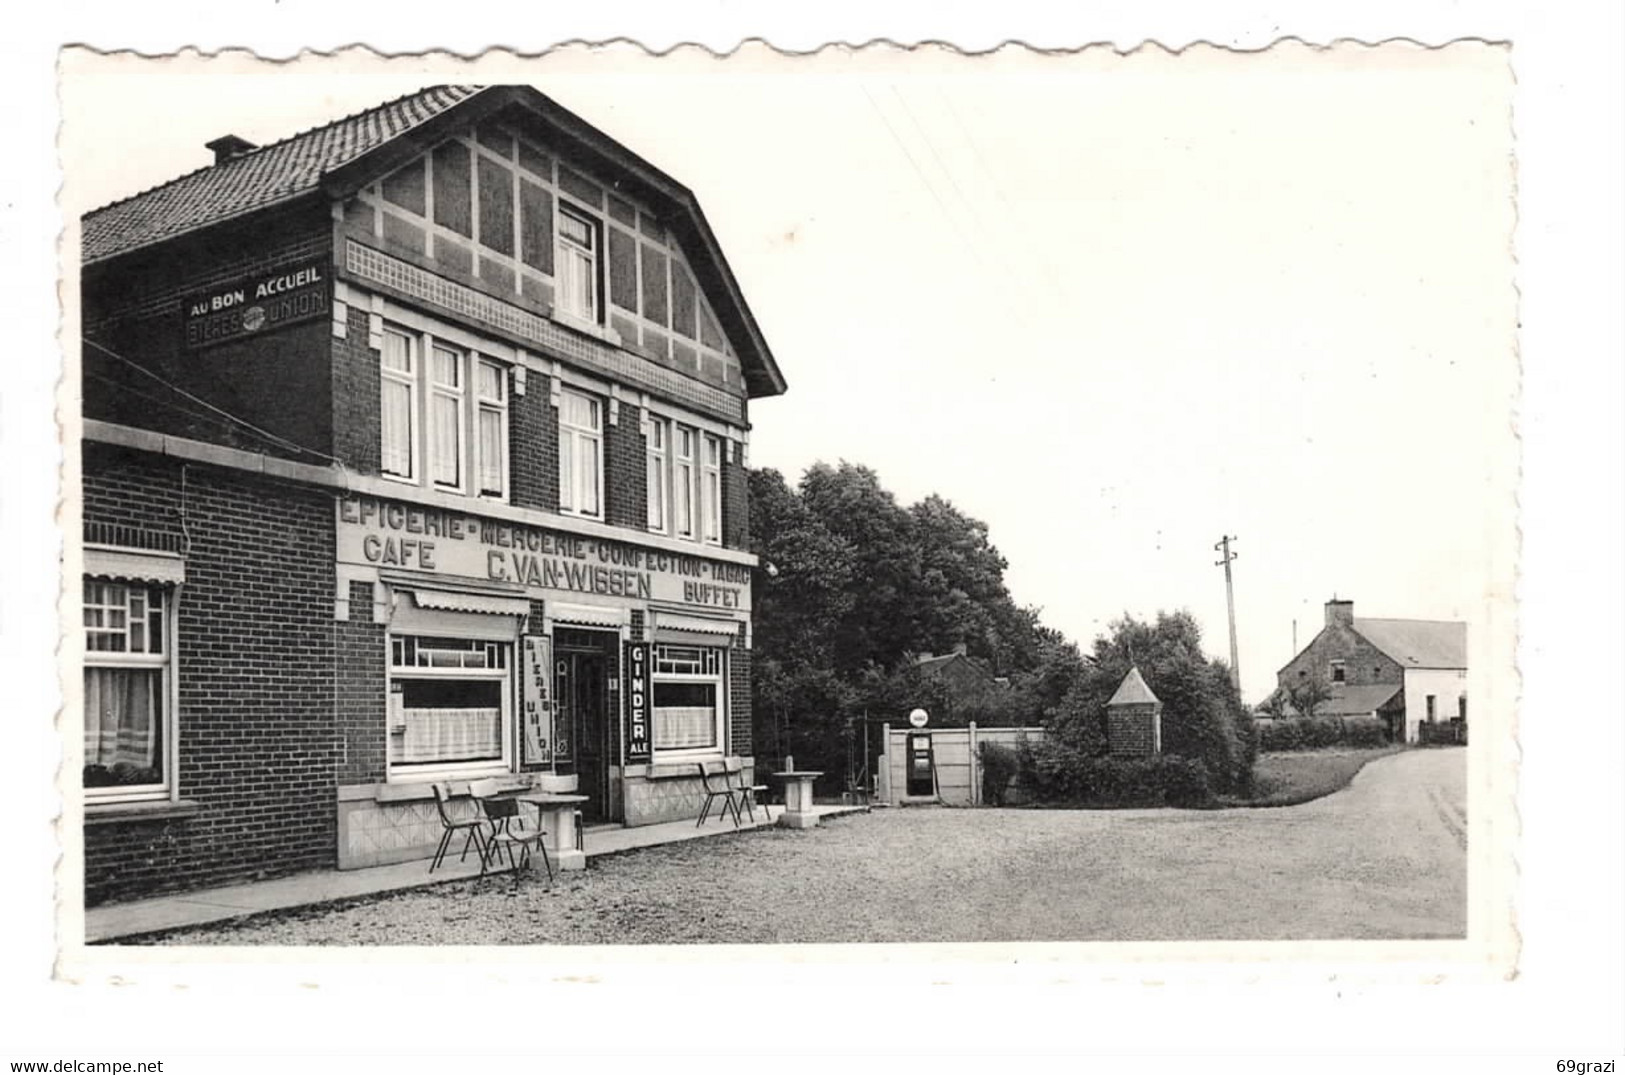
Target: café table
556,813
798,798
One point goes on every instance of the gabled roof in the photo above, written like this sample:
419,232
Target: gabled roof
1133,690
1418,643
1349,701
259,178
339,158
932,665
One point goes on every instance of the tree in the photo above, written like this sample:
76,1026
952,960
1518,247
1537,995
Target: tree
1202,714
1309,694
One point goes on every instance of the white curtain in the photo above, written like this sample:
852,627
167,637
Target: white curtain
490,450
397,428
452,734
122,715
443,439
684,727
576,282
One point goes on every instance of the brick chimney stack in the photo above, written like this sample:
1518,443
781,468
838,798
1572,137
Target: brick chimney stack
1339,613
228,147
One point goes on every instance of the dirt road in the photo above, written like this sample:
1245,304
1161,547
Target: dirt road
1384,858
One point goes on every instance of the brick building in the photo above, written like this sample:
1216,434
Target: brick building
1403,672
413,451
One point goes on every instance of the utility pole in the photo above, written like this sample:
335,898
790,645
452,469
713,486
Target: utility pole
1230,598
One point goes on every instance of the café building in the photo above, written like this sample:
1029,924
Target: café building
413,451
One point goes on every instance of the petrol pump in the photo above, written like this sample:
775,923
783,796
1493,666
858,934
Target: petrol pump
920,762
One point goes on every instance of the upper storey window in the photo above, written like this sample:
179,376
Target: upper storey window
427,407
684,480
581,454
578,265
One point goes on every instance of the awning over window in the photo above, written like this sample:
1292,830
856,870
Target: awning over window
471,602
696,630
585,615
134,566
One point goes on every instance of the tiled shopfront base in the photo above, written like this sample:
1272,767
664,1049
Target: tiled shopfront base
656,799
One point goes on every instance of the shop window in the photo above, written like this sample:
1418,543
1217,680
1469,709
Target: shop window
448,704
578,265
128,722
687,694
491,428
581,454
711,490
446,417
398,370
659,472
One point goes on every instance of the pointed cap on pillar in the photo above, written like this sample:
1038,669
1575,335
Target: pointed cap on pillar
1133,691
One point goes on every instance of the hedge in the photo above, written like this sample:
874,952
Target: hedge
1060,776
1313,733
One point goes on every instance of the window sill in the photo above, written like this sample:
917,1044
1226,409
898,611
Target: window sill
163,810
586,327
671,770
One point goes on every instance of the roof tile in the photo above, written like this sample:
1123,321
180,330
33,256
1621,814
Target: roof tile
258,178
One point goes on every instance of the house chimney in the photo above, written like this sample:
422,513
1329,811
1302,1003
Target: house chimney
960,649
229,146
1339,613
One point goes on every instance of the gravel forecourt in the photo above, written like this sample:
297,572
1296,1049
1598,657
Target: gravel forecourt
1384,858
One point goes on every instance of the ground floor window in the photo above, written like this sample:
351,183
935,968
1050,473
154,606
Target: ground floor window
127,671
687,688
448,703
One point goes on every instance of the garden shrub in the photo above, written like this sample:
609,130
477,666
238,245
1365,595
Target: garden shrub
1000,764
1060,775
1315,733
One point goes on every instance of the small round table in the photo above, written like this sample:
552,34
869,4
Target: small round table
798,798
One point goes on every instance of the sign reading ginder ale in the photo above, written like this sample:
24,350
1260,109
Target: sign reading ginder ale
255,304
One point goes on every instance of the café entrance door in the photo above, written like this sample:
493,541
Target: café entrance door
581,684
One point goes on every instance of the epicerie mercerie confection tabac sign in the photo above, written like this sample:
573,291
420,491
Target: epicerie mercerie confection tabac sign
384,533
257,304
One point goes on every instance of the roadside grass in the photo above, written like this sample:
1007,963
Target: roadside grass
1289,778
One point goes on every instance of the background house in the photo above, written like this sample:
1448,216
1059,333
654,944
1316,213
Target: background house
1402,671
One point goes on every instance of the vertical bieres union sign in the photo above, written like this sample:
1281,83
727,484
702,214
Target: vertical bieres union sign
637,702
537,712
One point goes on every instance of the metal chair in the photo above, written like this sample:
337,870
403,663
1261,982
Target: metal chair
747,794
473,826
501,813
712,793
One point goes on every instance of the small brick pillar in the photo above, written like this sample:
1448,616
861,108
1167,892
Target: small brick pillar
1134,718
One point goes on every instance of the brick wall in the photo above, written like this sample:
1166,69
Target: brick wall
277,380
1132,729
256,672
534,437
740,714
356,433
735,502
359,675
1364,665
626,473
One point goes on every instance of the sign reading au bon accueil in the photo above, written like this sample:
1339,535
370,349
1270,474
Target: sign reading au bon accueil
385,533
264,302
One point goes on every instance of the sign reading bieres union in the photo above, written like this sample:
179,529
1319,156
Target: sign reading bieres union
386,533
262,303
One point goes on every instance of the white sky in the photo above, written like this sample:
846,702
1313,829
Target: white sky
1116,307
